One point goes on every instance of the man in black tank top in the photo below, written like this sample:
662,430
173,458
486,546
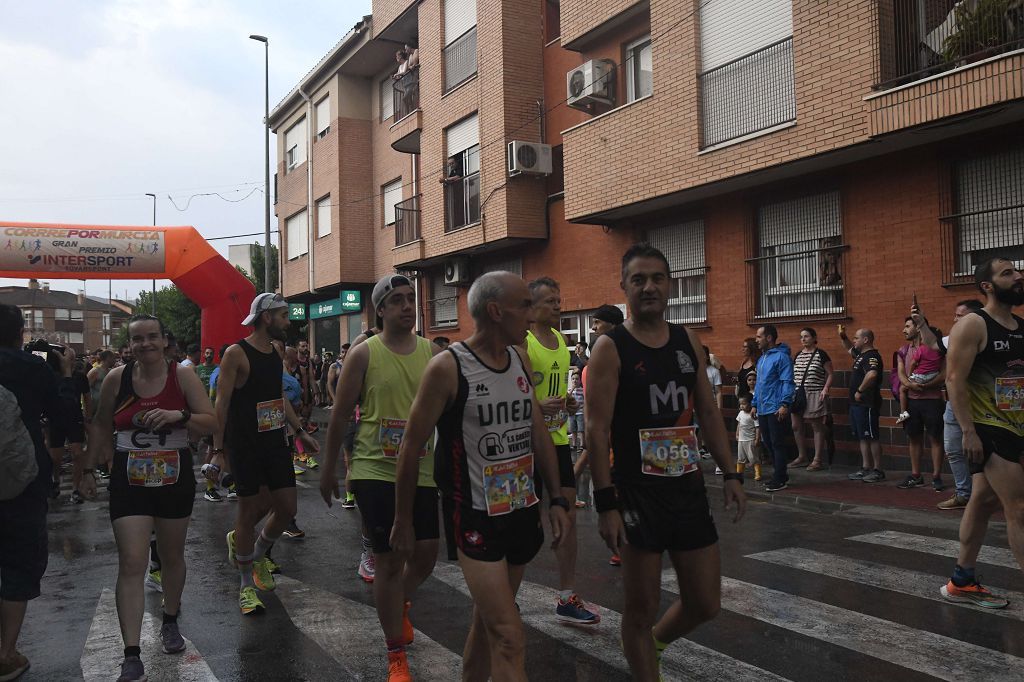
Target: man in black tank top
253,412
645,384
985,382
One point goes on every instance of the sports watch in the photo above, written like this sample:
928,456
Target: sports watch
560,502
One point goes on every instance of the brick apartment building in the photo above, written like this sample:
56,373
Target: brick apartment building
801,162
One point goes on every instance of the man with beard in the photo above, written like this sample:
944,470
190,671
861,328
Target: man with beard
986,388
252,412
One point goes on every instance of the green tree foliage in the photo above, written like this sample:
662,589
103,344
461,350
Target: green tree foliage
176,310
256,276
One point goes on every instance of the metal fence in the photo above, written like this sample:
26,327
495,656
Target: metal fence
407,220
406,93
460,59
802,279
920,38
752,93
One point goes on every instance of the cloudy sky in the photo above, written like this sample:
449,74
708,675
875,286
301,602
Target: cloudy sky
106,100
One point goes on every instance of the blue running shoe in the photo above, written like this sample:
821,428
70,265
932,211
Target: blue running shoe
575,611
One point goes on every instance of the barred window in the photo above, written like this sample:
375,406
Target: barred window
683,246
443,309
799,261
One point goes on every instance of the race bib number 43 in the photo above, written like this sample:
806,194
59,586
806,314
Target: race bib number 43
270,415
391,433
153,468
1010,394
670,451
509,485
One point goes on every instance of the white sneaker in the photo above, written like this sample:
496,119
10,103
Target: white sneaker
718,471
367,566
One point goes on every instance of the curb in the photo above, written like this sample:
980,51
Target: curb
815,504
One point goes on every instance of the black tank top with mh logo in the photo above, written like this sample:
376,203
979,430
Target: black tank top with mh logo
656,387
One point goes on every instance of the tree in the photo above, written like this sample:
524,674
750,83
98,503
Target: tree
256,276
179,314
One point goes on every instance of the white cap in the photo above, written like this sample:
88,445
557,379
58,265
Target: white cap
262,304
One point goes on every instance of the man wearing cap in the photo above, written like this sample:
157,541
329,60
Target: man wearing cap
252,412
383,374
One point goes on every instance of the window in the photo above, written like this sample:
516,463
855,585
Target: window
297,234
746,80
392,193
985,212
552,21
443,304
76,314
323,117
323,217
76,337
387,99
62,314
106,322
799,257
33,319
639,69
462,174
459,41
683,246
514,265
295,145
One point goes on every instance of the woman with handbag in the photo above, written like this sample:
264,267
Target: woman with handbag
812,372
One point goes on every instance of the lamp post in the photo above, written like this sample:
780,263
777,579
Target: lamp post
266,152
150,194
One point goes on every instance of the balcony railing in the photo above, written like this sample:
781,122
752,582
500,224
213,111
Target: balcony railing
406,92
921,38
460,59
749,94
407,220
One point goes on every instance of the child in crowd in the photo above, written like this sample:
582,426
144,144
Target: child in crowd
576,419
747,437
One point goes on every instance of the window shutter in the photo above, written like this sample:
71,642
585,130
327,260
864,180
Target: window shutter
804,219
297,228
462,135
323,217
730,29
323,115
392,195
459,17
387,99
683,245
296,137
992,189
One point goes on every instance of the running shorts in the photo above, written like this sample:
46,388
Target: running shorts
165,502
996,441
864,422
925,417
515,537
662,518
254,468
75,433
376,502
23,545
566,477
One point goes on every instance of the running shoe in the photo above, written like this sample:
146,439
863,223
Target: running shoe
76,497
408,633
13,667
171,638
311,428
575,611
580,504
955,502
775,487
154,582
938,485
911,481
398,667
272,566
718,471
615,560
973,593
132,670
293,531
249,601
367,567
232,494
874,476
231,549
101,472
212,495
904,416
262,576
297,469
858,475
311,462
349,501
704,454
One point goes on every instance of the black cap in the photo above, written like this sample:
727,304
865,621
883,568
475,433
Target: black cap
609,313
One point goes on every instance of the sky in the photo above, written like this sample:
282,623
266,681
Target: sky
104,101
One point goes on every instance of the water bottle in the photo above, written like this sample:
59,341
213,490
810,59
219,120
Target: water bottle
212,472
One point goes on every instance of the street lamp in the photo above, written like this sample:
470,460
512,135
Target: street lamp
150,194
266,151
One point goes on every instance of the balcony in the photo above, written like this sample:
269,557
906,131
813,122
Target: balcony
408,241
462,201
460,60
405,131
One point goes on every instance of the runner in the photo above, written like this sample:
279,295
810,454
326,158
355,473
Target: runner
308,382
252,412
985,381
383,374
152,404
97,374
646,379
73,434
491,427
550,359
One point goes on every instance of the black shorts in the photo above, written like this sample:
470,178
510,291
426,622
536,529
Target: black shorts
166,502
673,518
376,502
23,545
925,416
75,433
255,467
566,475
515,537
996,441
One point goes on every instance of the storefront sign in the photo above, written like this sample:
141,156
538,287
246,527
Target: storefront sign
296,311
351,301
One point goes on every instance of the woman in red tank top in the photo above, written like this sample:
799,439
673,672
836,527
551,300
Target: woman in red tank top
146,410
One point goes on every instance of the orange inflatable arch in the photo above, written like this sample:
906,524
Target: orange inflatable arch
180,254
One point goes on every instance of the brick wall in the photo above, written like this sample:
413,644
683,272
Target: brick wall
580,16
386,11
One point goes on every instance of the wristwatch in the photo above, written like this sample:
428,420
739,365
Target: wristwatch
560,502
185,416
733,477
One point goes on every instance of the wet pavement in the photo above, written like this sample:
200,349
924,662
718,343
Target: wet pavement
844,592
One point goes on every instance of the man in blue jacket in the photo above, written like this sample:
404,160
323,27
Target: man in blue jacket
773,394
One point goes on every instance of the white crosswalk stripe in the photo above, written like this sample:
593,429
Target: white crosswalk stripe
690,661
903,581
918,650
996,556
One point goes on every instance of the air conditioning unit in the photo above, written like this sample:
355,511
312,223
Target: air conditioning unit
590,83
529,157
456,271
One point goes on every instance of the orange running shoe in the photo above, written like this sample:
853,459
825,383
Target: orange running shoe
398,667
407,632
973,593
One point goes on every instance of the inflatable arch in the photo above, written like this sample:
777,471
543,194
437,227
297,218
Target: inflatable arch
180,254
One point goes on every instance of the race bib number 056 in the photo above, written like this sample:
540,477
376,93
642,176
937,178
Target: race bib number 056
270,415
669,451
153,468
509,485
391,433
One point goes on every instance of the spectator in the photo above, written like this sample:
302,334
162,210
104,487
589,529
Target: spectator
747,439
865,402
714,377
191,357
812,371
23,540
751,353
205,369
580,357
773,394
576,418
124,354
922,372
442,342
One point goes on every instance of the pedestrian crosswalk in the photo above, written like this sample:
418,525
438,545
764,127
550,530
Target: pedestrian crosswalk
995,556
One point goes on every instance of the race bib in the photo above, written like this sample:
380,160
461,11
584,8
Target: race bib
556,421
153,468
270,415
1010,394
391,433
509,485
670,451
